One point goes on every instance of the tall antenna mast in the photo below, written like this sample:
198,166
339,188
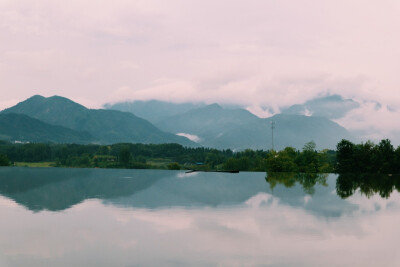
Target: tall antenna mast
272,130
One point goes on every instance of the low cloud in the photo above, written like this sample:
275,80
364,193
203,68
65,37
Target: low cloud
262,112
191,137
373,121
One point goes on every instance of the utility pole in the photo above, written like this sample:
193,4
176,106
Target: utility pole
272,130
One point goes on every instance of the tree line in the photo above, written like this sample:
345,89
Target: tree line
348,158
169,156
126,155
367,157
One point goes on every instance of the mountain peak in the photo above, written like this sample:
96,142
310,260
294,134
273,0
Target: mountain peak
40,107
36,97
213,106
50,103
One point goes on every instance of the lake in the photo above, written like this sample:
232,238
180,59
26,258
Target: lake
108,217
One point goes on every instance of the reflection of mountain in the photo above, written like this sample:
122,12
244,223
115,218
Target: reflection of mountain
58,189
198,189
221,189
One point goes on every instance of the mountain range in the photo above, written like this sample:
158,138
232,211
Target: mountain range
60,120
105,126
239,129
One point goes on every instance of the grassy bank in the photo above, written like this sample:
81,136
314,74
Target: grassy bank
35,164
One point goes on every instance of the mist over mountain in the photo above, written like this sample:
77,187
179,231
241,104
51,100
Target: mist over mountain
106,126
207,122
20,127
222,128
153,110
331,107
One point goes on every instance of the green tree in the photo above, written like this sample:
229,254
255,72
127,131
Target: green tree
237,164
310,146
4,160
308,160
125,156
345,156
387,156
174,166
214,158
282,161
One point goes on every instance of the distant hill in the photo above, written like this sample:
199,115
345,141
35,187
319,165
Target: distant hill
207,122
239,129
210,126
19,127
153,110
106,126
331,107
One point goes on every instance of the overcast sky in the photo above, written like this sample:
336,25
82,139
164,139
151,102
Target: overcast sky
260,52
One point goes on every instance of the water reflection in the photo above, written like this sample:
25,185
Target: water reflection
87,217
58,189
308,181
347,184
368,184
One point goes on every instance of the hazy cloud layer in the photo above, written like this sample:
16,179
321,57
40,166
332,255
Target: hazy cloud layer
254,53
373,121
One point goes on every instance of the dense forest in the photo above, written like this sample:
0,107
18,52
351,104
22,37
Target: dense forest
367,157
168,156
308,160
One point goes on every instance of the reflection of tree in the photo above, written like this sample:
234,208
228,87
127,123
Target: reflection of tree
289,179
368,184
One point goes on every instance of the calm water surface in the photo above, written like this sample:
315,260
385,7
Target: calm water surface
93,217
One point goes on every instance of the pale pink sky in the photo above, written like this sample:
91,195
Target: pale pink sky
260,52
